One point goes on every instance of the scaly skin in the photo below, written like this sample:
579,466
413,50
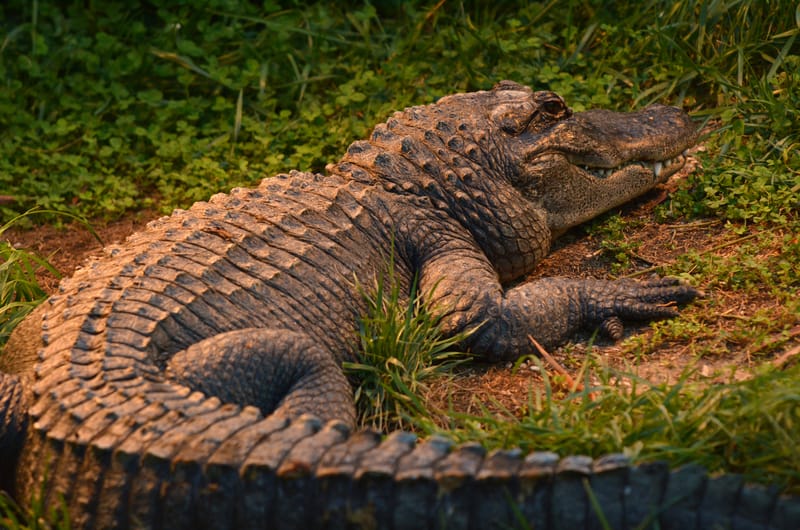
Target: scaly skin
190,378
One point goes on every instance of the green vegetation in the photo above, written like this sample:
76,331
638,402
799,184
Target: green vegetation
19,290
113,107
747,427
402,351
610,230
36,516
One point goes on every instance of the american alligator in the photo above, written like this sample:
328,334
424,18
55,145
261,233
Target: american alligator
191,377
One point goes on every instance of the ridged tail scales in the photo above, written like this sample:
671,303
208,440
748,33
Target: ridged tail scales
246,471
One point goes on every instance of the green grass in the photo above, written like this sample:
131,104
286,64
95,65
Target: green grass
402,352
108,108
19,289
748,427
745,426
36,514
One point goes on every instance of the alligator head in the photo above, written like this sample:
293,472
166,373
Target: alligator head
575,166
517,167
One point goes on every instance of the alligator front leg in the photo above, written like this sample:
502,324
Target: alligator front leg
550,310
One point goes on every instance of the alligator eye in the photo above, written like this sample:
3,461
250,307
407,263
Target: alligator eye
553,106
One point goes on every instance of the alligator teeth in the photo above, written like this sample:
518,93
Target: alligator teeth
657,168
599,172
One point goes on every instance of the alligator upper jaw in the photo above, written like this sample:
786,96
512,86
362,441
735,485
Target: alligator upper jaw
602,143
661,169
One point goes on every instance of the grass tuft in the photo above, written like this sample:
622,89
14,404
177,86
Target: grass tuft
402,352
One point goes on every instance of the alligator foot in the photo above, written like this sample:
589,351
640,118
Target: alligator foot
276,370
607,304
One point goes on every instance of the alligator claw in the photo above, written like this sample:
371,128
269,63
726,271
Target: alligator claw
612,328
609,303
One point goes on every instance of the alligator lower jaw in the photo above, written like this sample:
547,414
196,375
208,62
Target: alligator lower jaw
659,168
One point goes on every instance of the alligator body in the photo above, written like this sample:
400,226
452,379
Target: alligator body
191,378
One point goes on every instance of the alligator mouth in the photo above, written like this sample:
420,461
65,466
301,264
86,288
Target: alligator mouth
660,168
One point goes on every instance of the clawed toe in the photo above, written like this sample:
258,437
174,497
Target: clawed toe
612,328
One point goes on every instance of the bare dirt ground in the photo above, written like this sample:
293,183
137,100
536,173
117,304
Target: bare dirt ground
505,388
